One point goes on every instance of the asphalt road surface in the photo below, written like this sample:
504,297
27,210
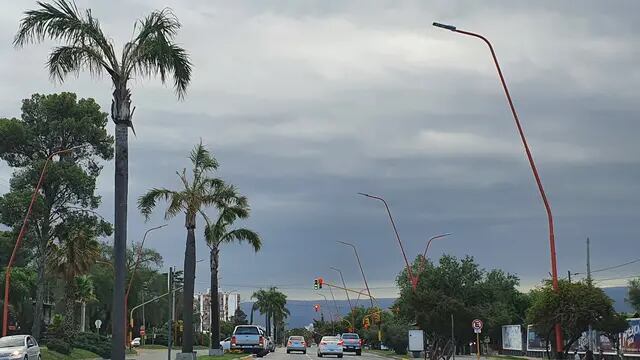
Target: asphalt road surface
279,354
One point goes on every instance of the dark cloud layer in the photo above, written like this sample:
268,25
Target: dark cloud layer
306,104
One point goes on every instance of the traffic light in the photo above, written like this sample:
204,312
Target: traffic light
320,282
316,284
316,307
365,323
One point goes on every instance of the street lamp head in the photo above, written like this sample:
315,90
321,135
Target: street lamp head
364,194
444,26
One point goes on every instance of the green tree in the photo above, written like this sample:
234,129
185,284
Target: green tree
458,287
151,51
217,234
634,294
272,304
71,258
394,335
50,123
238,318
84,294
575,306
198,193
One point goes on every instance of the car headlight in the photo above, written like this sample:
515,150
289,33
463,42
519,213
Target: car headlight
17,353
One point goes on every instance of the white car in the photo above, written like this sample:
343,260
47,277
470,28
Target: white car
225,344
330,345
135,342
20,347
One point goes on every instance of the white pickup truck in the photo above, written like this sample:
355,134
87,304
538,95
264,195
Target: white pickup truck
250,339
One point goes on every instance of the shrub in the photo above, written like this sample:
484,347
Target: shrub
59,346
95,343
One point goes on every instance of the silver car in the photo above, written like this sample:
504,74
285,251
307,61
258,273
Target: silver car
330,345
19,347
296,343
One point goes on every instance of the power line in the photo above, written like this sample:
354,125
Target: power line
617,266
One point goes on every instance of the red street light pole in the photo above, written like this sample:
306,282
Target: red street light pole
23,230
414,280
552,241
424,256
361,271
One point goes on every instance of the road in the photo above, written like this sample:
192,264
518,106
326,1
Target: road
280,354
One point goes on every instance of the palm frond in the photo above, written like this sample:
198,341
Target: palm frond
202,159
154,52
242,235
62,21
147,202
66,59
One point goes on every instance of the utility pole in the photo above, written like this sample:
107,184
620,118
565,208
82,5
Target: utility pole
453,338
569,274
590,283
173,303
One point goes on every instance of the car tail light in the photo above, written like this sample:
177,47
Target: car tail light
361,342
304,343
323,343
289,343
341,343
233,340
261,340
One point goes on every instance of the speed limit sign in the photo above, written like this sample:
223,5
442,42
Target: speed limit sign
477,325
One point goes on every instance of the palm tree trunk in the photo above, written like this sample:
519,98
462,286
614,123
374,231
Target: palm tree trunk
253,309
69,322
189,280
121,116
215,303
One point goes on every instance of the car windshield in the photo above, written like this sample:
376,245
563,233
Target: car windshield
296,338
11,341
350,336
249,330
330,338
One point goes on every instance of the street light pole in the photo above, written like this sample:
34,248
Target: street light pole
547,206
361,271
414,280
424,256
333,326
133,274
23,230
343,284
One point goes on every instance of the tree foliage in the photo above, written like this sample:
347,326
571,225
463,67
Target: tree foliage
634,294
575,306
458,287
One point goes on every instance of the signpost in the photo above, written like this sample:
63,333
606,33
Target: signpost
98,324
477,328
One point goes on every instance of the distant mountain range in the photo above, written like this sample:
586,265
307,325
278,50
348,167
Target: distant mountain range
303,313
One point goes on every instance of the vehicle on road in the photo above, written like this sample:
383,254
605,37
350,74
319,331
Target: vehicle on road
226,344
330,345
250,339
352,343
135,342
296,343
20,347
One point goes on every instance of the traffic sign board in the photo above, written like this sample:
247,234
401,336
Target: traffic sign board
98,323
477,325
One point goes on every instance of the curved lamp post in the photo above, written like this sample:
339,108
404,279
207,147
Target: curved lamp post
343,284
360,265
414,280
23,230
543,195
424,256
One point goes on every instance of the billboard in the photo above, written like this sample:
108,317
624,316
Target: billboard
512,337
630,339
535,341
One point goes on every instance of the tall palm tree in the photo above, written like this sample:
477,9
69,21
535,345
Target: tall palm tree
151,51
262,305
271,303
198,193
71,258
217,234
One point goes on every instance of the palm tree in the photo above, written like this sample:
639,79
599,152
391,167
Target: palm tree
84,294
217,234
262,305
151,51
271,303
198,193
72,258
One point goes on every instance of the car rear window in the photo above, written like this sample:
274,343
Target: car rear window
296,338
330,338
350,336
11,341
248,330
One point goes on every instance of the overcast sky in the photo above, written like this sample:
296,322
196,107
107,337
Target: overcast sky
306,103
